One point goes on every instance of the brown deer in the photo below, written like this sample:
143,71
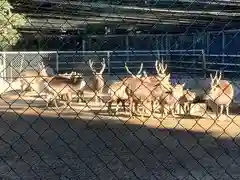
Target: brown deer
117,93
79,91
117,90
28,77
185,101
145,90
98,80
57,85
220,94
163,76
169,99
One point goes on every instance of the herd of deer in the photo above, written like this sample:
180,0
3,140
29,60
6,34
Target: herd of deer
151,93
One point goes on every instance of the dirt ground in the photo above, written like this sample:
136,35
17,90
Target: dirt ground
83,142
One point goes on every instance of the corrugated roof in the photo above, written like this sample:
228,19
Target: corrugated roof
162,16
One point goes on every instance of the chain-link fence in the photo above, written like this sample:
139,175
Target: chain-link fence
119,90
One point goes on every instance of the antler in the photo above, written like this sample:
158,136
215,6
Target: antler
93,69
161,70
91,65
138,73
162,67
140,70
216,78
145,73
103,66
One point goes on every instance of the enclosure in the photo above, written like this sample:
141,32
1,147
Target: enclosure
88,139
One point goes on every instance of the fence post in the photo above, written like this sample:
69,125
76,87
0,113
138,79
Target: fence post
11,72
5,66
157,46
127,47
204,63
223,50
108,61
57,61
21,66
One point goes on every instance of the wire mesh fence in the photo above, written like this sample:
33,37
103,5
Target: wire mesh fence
154,113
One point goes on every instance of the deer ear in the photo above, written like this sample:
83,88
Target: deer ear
168,76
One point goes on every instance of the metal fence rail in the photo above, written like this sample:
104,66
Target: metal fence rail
67,61
194,61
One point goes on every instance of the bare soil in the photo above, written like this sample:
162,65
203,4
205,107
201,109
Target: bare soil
84,142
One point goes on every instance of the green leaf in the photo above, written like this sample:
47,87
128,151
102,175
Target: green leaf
9,22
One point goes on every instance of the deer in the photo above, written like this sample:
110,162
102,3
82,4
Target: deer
186,101
57,85
98,80
161,76
146,91
28,77
79,90
220,94
117,90
170,95
170,99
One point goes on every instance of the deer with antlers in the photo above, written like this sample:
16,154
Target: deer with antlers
28,77
117,90
220,94
170,94
78,90
170,99
56,86
98,80
148,90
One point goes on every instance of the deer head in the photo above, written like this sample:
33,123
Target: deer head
45,71
216,79
94,70
214,85
163,77
178,90
139,73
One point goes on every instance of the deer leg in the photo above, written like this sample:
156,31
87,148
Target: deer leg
221,110
96,97
216,111
80,96
23,89
66,102
55,102
47,103
150,109
172,109
131,106
123,105
181,108
151,106
117,106
176,108
185,108
69,99
227,110
110,107
65,97
136,107
164,110
188,107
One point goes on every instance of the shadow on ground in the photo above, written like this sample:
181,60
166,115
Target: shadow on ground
40,147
